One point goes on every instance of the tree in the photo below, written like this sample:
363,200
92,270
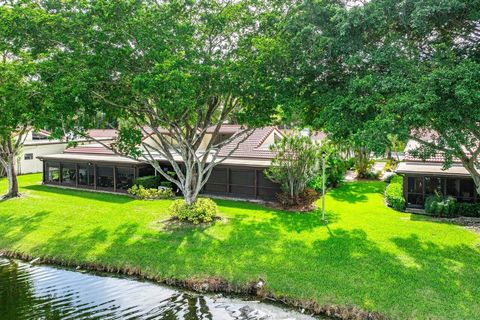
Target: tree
170,70
409,69
23,27
296,163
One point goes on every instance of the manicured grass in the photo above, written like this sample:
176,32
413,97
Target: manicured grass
402,265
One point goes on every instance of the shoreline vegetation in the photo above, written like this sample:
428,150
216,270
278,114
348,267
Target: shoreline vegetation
212,285
369,262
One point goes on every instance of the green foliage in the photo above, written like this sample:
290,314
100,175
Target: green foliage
408,68
166,184
440,206
201,211
148,181
391,165
303,201
466,209
296,162
143,193
335,168
394,193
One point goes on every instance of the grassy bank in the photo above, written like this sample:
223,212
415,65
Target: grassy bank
369,256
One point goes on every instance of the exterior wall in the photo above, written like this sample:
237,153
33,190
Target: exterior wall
228,181
241,182
35,165
417,187
94,170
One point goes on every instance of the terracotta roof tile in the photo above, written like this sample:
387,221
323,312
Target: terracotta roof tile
250,148
102,133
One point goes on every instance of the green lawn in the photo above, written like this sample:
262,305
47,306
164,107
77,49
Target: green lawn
370,256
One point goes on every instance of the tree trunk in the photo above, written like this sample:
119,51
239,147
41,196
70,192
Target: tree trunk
474,172
362,158
12,177
9,150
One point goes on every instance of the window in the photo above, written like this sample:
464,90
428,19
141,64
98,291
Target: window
105,177
467,189
433,186
124,178
53,172
69,173
28,156
415,185
85,175
452,187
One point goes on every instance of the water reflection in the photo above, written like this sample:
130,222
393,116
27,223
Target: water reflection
42,292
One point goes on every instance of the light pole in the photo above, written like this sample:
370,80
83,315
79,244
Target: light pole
323,186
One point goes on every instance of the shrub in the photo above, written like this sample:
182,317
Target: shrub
203,210
166,184
371,175
440,206
467,209
143,193
304,200
148,182
391,165
394,193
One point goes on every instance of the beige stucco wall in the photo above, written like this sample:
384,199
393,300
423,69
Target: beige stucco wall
35,165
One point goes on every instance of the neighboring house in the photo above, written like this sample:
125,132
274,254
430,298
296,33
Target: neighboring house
425,178
38,144
240,175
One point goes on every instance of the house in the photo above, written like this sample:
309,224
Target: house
425,178
240,175
39,143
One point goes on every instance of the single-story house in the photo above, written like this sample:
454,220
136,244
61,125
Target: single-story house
38,144
241,175
425,178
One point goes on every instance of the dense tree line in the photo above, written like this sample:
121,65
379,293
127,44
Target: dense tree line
367,74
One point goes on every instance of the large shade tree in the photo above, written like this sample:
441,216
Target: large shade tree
409,69
171,70
24,45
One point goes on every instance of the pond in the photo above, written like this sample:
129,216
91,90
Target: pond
45,292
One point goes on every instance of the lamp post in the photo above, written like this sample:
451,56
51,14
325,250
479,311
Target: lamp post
323,186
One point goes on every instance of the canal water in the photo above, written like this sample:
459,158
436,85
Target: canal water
45,292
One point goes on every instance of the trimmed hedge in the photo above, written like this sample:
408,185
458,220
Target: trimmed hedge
394,193
148,182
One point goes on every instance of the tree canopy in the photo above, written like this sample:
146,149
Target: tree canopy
25,31
409,69
174,69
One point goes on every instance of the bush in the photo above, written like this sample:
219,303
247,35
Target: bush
371,175
440,206
394,193
391,165
166,184
467,209
148,182
203,210
143,193
304,200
